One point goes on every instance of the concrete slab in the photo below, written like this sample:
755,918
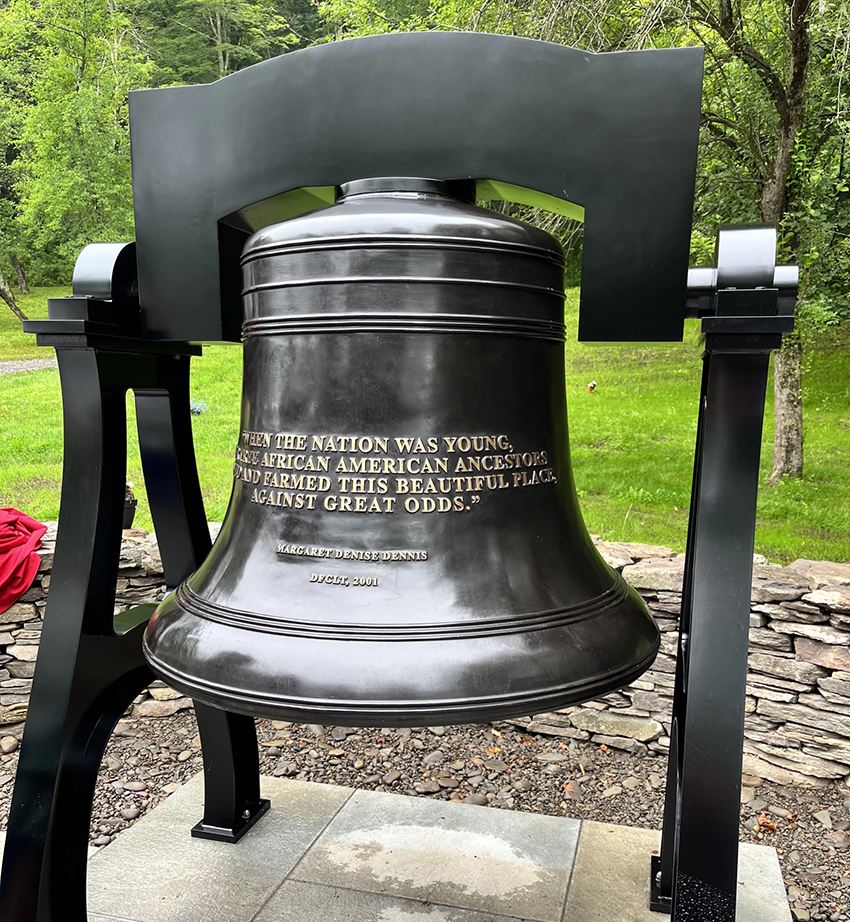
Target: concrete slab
302,902
496,861
761,890
328,854
610,881
155,871
611,875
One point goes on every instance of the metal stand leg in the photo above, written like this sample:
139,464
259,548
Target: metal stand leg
90,664
232,804
85,676
744,317
229,741
697,871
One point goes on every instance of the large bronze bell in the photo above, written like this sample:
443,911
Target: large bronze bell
403,545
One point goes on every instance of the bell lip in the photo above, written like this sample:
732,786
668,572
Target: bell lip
387,709
404,713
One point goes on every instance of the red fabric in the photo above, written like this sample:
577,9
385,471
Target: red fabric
20,536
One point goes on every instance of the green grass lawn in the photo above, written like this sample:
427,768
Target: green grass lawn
632,439
14,343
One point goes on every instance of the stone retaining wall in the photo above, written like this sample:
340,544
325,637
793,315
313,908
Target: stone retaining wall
139,581
798,687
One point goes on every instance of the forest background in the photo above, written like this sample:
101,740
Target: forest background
773,140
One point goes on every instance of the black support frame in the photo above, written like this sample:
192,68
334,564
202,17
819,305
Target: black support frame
90,664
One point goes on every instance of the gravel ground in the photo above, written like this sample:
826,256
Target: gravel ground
10,368
498,765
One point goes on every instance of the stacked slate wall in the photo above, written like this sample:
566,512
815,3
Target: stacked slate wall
798,686
797,725
139,580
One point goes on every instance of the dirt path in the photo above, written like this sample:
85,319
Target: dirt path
10,368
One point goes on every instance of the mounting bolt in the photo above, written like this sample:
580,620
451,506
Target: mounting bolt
246,814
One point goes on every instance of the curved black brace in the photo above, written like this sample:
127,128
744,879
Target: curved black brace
615,134
90,664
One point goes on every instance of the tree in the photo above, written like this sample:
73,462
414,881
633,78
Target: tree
305,21
10,122
71,65
198,41
23,287
8,296
772,135
66,67
774,127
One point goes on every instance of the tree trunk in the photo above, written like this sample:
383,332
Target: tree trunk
19,271
785,84
788,360
9,298
787,410
775,193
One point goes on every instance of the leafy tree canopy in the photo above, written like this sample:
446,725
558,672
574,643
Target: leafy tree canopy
774,129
